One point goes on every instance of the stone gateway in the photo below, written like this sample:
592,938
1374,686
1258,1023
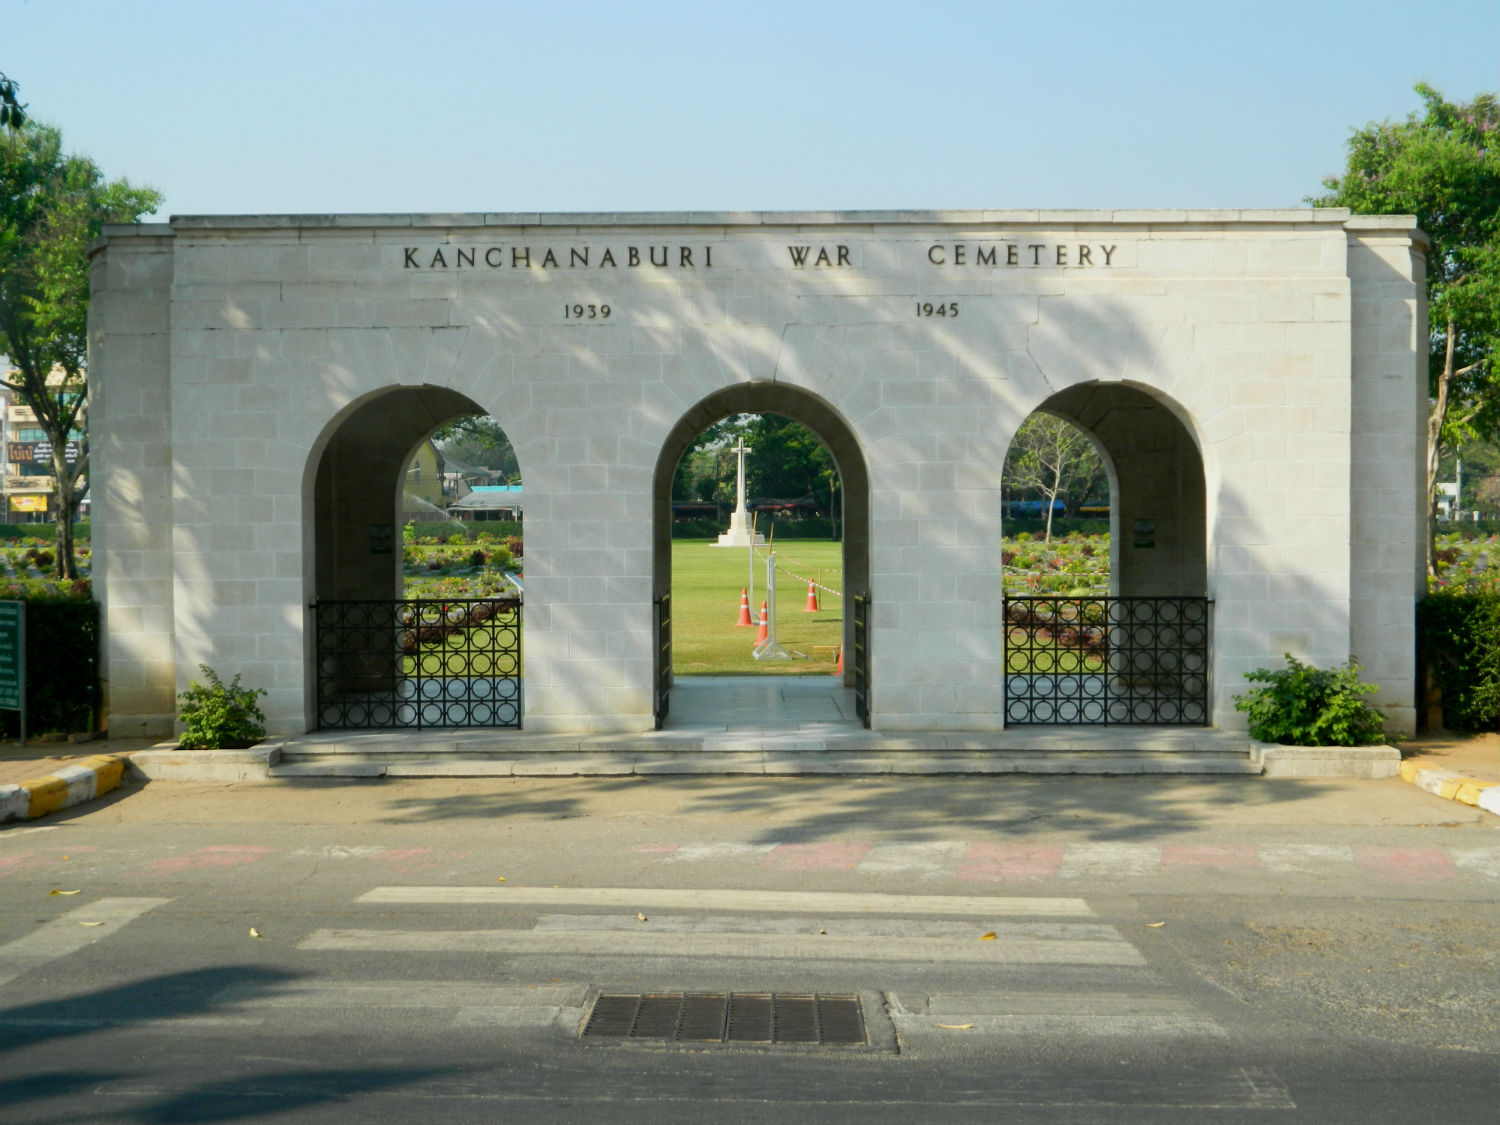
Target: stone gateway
1255,382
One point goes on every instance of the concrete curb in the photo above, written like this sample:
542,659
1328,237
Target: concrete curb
165,762
1454,786
71,785
1370,762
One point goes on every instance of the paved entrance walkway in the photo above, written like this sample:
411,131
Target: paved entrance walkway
761,703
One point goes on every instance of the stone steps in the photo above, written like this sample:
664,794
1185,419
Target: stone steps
779,762
1038,751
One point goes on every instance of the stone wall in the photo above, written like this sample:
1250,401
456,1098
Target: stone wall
1281,351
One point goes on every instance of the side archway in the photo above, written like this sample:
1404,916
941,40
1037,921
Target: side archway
1158,511
1143,655
352,553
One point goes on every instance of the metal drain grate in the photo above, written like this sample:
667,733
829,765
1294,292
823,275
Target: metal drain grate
729,1017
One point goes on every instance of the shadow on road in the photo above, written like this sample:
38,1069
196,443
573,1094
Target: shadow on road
910,808
28,1036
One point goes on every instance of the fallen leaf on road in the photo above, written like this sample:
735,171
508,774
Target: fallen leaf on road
1155,925
987,936
55,891
254,932
956,1026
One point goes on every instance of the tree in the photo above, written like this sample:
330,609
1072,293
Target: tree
1487,498
788,461
1051,458
52,205
1444,167
12,109
706,472
480,441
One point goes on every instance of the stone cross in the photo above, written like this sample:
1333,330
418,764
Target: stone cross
739,489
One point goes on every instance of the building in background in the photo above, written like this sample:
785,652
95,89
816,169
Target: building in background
30,489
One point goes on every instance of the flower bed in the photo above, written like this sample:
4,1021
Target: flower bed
1469,565
1076,564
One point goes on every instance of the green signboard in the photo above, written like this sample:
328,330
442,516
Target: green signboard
12,656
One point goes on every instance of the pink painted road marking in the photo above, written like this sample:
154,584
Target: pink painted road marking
1407,865
1207,855
215,855
999,863
26,861
18,862
816,857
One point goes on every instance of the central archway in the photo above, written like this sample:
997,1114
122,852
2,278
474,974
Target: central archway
838,436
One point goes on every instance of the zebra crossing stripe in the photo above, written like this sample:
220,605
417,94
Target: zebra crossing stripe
329,995
70,932
776,902
1010,951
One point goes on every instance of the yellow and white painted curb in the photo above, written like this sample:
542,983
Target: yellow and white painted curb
71,785
1454,786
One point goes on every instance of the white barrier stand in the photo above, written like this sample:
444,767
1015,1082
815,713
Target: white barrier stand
769,649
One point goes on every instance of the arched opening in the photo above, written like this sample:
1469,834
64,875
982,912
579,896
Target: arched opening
1140,654
403,637
852,488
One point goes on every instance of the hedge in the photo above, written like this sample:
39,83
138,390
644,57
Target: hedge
1458,646
47,531
62,667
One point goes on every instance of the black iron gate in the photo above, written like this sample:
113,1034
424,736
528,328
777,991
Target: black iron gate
862,657
661,700
418,663
1108,661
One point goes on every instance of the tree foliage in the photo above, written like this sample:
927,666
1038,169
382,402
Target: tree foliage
787,461
12,109
52,205
1443,166
479,440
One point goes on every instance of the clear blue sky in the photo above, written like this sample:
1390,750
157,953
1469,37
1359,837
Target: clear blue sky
229,106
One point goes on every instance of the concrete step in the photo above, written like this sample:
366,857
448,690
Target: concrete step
771,762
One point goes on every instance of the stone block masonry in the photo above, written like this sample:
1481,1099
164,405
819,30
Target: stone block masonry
1254,380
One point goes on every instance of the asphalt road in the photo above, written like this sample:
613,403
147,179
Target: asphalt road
1162,951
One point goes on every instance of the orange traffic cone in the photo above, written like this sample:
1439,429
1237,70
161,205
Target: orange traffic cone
744,608
839,671
812,599
765,628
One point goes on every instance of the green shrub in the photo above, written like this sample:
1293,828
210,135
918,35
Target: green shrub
1307,706
219,716
1458,644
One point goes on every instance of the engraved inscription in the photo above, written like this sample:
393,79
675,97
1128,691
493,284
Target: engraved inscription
994,255
501,256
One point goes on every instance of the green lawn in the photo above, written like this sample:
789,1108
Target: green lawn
706,585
